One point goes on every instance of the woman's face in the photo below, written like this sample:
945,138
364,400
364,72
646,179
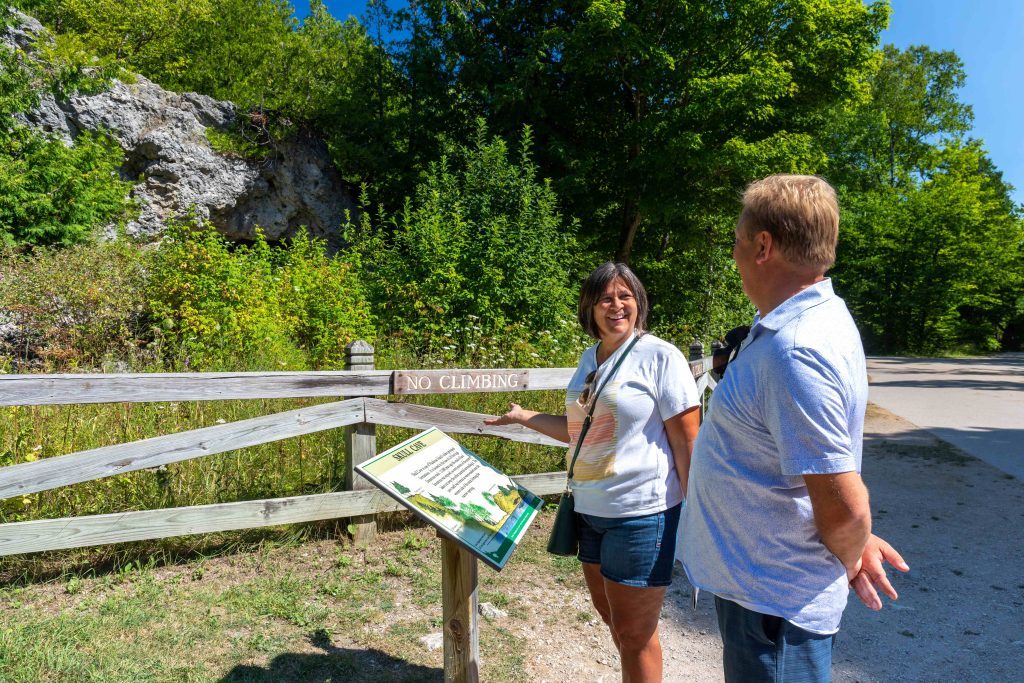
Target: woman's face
615,312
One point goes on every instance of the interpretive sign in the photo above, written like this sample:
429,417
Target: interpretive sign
456,381
451,488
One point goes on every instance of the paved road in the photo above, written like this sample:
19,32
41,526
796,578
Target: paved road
976,404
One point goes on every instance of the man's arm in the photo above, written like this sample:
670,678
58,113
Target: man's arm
842,515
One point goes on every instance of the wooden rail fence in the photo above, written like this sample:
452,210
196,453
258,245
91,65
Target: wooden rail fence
357,414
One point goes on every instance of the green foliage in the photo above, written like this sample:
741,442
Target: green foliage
323,302
934,267
252,307
51,193
649,116
930,253
74,309
236,143
480,251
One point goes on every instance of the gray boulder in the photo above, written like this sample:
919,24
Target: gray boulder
177,171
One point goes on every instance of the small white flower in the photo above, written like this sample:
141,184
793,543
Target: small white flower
221,421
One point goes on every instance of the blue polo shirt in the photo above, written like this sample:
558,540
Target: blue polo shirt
791,403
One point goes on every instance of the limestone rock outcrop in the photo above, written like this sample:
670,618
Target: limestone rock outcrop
177,171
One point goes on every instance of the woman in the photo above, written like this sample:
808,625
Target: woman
630,476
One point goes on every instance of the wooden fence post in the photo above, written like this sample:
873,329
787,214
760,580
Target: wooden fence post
459,600
360,444
696,350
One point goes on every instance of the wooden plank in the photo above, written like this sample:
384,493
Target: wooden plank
121,527
215,386
448,420
81,532
459,381
30,477
545,484
195,386
458,611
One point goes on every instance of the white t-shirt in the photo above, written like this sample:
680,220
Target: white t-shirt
625,467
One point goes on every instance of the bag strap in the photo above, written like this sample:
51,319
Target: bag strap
593,404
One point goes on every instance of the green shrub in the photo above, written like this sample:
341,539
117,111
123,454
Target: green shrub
51,193
479,253
77,308
253,306
323,302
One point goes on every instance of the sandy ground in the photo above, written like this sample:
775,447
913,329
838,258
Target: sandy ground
960,617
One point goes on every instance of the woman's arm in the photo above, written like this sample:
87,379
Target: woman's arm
682,434
555,426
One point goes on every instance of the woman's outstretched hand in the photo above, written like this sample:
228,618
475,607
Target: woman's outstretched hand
515,416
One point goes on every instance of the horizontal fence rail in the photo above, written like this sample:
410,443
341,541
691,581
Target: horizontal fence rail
80,532
354,413
25,390
74,468
16,390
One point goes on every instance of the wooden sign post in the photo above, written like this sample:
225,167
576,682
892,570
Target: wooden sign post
459,599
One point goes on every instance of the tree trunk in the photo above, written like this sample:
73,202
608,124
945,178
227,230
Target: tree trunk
630,225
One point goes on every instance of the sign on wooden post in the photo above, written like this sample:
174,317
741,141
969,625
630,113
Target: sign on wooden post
360,444
459,381
459,606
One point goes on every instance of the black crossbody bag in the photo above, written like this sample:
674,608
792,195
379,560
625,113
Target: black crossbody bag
565,534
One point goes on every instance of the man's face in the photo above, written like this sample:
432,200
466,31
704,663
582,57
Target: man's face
744,253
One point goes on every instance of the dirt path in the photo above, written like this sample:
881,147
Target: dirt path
959,523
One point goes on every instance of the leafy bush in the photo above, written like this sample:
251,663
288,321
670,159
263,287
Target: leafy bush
252,307
51,193
68,309
479,251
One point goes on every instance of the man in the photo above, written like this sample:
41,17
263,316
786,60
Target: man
777,524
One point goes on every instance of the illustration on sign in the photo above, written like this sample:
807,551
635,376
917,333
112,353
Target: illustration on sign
450,487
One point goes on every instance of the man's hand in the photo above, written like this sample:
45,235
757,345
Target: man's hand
872,573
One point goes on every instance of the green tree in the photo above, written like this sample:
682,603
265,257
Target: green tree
649,114
480,246
930,245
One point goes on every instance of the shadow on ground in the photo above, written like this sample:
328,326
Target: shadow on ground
334,665
960,525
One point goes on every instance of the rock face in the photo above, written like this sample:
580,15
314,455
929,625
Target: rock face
177,171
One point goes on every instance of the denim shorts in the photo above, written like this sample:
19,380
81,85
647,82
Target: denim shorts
633,551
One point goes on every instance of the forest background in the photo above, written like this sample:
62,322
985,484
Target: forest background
499,152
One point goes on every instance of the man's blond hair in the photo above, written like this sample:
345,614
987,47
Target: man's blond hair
800,212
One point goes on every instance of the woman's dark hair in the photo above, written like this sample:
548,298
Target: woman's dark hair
594,287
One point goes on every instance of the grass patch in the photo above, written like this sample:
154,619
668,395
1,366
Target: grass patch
270,611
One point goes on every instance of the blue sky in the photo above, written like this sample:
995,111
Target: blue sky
988,35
